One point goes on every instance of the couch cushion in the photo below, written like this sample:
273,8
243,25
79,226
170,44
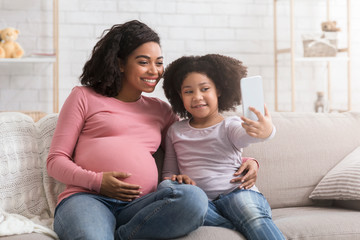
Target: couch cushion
318,223
305,147
343,181
21,185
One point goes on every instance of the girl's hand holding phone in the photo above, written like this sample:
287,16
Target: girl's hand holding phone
261,128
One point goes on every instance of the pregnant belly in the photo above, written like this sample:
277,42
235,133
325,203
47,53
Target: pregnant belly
130,158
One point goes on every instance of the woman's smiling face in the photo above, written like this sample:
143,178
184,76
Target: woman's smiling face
142,71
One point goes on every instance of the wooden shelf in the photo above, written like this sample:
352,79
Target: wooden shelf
29,60
321,59
295,59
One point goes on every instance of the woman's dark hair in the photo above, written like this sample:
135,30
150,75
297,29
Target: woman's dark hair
224,71
102,71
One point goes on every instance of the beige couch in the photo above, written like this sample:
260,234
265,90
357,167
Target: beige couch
306,147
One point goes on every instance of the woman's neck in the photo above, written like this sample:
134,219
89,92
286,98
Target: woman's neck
127,98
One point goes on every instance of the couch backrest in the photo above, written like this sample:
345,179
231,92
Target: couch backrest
305,148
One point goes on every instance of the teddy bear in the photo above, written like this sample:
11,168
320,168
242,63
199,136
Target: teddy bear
10,48
2,52
329,26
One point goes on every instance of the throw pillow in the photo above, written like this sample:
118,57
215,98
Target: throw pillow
46,127
342,182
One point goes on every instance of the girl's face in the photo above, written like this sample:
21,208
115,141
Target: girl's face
142,71
200,98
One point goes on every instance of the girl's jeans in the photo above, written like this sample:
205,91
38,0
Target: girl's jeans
172,211
246,211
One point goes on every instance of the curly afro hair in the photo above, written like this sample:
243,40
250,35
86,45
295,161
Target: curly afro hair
102,71
226,73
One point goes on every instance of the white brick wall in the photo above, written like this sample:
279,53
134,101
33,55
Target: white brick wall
239,28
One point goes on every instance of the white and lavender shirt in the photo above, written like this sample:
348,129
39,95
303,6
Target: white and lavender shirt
210,156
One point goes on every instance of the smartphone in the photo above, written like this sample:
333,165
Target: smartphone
252,95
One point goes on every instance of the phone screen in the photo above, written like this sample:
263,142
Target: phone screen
252,95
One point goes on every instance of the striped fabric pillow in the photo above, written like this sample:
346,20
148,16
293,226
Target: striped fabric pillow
342,182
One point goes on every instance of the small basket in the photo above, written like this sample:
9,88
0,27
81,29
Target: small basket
320,45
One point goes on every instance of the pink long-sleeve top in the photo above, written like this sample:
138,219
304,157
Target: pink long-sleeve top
96,134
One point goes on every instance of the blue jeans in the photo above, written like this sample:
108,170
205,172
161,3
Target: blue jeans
172,211
246,211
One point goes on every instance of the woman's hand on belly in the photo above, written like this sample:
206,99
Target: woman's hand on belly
112,187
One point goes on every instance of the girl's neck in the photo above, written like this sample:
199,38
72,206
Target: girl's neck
206,122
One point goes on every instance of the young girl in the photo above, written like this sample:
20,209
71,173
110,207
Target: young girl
205,149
